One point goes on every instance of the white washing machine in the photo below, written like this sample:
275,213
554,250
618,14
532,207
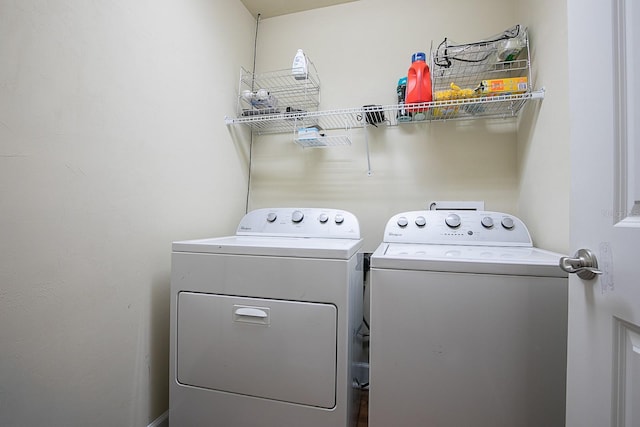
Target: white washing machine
468,324
265,323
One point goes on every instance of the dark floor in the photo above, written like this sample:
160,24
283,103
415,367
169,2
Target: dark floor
363,413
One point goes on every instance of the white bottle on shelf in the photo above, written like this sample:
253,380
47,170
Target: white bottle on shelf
299,68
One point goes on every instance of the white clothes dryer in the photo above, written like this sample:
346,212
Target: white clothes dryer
265,323
468,324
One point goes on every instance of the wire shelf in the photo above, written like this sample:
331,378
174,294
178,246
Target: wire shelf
274,92
498,106
499,65
460,74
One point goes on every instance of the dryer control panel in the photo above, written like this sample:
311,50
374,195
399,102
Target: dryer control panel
457,228
300,222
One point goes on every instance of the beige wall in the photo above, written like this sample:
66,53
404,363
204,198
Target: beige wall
112,145
543,135
360,50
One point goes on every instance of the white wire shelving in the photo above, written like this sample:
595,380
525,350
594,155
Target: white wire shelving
498,106
293,104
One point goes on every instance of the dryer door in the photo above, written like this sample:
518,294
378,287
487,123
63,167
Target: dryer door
273,349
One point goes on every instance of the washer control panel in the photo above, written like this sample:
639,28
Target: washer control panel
300,222
457,227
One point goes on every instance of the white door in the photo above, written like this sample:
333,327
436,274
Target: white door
603,378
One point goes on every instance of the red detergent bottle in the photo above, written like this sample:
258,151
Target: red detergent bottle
418,84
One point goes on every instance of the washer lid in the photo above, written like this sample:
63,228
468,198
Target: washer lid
520,261
273,246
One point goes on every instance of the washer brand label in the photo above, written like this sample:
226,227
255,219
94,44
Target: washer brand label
395,234
245,228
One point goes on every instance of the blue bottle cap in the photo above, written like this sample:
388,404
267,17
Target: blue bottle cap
418,56
402,81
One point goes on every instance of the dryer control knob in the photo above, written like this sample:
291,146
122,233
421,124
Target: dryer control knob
323,218
487,222
272,216
402,222
297,216
508,223
339,219
420,221
453,220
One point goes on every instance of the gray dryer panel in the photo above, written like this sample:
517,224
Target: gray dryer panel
272,349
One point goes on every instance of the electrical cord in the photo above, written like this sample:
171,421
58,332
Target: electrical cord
445,60
253,79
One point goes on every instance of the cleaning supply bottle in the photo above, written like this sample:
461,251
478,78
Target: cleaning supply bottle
403,114
299,67
418,84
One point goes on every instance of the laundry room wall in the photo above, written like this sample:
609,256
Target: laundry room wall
360,50
543,132
112,145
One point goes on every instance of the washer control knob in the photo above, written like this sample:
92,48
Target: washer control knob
272,216
339,219
420,221
402,222
487,222
297,216
508,223
323,218
453,220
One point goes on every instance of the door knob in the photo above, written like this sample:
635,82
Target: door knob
584,263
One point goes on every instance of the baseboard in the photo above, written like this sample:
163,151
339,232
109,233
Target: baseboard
161,421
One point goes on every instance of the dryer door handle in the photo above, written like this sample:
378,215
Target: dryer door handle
251,312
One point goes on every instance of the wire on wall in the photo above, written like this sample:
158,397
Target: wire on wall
255,50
